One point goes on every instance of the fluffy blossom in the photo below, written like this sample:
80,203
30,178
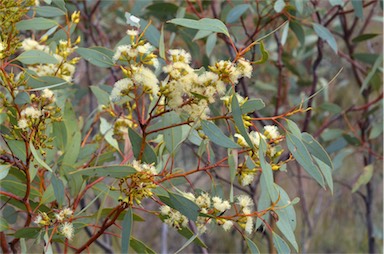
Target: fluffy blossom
144,167
179,55
244,201
220,205
145,77
120,88
249,225
22,123
247,179
227,225
271,131
67,230
31,112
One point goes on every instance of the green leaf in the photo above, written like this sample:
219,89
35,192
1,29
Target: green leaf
27,233
316,149
215,134
211,43
18,149
364,178
116,171
48,11
302,156
4,169
72,149
181,204
161,43
95,57
58,189
149,155
280,245
22,98
38,158
213,25
237,117
40,83
235,13
376,65
294,129
358,8
267,173
363,37
172,136
3,224
151,34
264,54
36,24
140,247
106,129
336,2
288,212
251,106
327,173
326,35
252,246
48,196
60,4
299,6
127,230
101,95
279,6
36,57
298,31
201,34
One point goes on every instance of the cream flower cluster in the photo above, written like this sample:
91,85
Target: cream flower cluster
64,69
30,114
66,228
272,138
135,58
174,218
144,167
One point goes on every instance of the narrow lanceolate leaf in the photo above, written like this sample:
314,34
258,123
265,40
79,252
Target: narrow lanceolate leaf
326,35
58,189
211,43
116,171
235,13
237,117
252,246
280,245
140,247
364,178
95,57
316,149
48,11
36,57
127,230
38,158
267,173
181,204
161,44
302,156
217,136
36,24
149,155
213,25
327,173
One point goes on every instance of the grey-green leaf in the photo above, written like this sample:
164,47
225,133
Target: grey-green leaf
364,178
149,155
215,134
95,57
302,156
38,158
36,24
252,105
36,57
280,245
58,189
252,246
116,171
211,43
267,173
126,231
207,24
326,35
316,149
48,11
235,13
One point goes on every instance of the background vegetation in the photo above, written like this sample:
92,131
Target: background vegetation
330,49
